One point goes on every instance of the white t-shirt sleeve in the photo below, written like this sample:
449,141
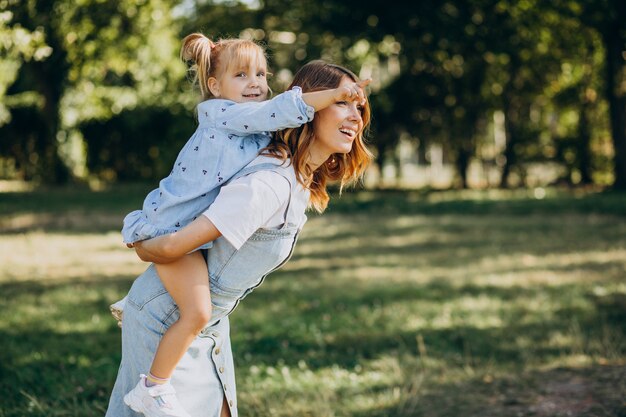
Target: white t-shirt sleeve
249,203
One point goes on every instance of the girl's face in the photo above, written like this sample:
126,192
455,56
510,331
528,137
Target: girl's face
241,83
336,127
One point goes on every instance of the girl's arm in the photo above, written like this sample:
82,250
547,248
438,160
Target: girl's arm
168,248
286,110
352,92
283,111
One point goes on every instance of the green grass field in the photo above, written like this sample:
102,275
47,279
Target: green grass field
435,304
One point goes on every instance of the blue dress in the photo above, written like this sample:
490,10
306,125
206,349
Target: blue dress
229,136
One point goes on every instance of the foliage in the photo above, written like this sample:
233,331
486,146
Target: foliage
103,59
85,79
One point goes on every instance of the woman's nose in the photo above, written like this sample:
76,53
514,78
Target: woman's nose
355,113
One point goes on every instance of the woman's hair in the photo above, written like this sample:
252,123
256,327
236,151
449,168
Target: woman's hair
208,59
294,143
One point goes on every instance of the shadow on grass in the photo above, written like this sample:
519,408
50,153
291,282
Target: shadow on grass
53,360
50,373
575,392
57,368
57,209
58,200
517,202
339,328
455,241
452,255
14,289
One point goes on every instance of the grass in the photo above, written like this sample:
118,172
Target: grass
395,304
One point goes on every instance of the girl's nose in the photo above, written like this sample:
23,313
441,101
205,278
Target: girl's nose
254,81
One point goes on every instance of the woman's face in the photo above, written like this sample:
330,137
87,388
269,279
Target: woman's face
336,128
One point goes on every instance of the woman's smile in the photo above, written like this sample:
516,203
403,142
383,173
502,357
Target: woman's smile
350,132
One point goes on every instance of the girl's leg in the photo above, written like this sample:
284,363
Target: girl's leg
187,282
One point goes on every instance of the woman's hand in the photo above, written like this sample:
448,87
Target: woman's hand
168,248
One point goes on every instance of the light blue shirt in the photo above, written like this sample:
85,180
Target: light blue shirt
229,136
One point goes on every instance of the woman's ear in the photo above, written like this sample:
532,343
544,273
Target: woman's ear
214,86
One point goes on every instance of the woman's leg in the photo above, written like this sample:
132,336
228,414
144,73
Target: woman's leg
187,282
225,410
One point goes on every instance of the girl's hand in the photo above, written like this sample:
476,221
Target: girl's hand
148,256
145,255
353,92
141,253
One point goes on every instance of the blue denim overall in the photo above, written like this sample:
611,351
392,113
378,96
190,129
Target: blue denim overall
205,375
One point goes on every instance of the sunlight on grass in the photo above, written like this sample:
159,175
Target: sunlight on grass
45,257
379,313
358,388
15,186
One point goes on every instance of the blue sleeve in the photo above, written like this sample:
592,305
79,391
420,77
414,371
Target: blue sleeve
281,112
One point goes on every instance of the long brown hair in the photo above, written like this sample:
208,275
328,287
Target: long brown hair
210,59
294,143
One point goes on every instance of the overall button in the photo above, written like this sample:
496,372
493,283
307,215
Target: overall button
231,403
221,369
224,387
215,334
217,351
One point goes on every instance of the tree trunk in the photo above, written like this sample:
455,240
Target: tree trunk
462,165
510,117
381,150
584,143
467,148
616,92
50,78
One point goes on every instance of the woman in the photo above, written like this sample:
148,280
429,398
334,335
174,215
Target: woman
254,223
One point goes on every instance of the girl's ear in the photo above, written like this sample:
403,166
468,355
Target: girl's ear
214,86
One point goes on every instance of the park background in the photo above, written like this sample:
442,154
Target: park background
479,270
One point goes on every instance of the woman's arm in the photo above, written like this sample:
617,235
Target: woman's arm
168,248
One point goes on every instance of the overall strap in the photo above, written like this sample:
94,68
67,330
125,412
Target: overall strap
249,169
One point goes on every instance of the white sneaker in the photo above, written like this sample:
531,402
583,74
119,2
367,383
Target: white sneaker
155,401
117,310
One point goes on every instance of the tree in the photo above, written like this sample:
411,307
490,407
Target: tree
613,32
42,78
97,75
578,118
101,58
608,18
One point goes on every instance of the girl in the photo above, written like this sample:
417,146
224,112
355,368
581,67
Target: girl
233,124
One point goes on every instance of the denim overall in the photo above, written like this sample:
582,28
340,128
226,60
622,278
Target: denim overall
205,375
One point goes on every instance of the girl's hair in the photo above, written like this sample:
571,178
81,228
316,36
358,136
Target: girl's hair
294,143
208,59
